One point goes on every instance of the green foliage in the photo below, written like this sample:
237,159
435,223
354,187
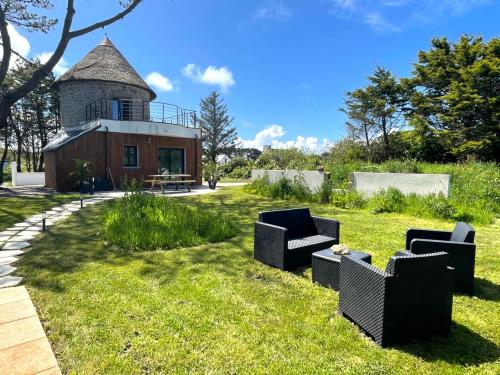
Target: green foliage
284,188
142,221
347,199
237,168
390,200
292,158
82,172
211,171
219,137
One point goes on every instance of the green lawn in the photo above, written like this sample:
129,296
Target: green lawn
16,209
213,309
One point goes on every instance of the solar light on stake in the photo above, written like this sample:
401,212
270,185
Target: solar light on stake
44,216
81,201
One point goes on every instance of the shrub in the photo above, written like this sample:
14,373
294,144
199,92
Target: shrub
390,200
281,189
144,221
347,199
324,192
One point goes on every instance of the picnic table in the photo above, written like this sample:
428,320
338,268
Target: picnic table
171,179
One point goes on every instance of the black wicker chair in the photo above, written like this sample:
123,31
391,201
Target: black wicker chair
287,238
411,299
459,244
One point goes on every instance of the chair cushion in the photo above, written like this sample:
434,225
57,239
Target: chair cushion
417,265
463,232
298,221
318,241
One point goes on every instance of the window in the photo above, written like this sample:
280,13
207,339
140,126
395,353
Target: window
121,109
130,156
171,160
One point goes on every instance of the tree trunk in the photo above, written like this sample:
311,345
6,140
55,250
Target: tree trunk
4,154
386,137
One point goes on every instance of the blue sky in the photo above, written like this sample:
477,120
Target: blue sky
283,66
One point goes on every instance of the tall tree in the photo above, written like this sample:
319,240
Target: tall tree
376,110
457,91
22,14
219,137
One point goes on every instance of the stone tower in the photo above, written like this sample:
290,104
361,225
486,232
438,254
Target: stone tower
103,85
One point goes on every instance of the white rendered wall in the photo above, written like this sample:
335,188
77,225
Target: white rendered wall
313,179
369,183
26,178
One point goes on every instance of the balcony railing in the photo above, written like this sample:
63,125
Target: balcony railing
138,110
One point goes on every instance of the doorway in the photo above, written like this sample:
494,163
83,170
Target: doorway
171,160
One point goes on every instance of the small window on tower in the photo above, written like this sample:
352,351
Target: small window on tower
130,158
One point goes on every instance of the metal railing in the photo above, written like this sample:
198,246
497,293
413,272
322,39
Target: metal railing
138,110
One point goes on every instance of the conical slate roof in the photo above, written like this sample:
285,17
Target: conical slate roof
105,63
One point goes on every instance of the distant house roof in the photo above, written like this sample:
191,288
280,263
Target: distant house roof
105,63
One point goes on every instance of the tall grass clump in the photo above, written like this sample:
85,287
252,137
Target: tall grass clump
142,221
283,188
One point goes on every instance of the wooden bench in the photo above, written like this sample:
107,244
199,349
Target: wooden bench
176,183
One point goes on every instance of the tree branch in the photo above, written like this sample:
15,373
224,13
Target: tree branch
45,69
4,33
106,22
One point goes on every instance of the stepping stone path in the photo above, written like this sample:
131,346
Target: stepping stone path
14,241
24,348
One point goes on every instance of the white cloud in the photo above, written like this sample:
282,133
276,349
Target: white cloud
159,82
272,135
379,23
18,43
381,15
61,67
274,11
212,75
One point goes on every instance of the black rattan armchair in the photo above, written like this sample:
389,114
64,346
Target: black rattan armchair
287,238
459,244
412,298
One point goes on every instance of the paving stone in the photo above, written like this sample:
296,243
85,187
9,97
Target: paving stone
6,270
36,228
8,260
9,232
16,310
15,245
28,358
13,294
22,225
27,329
9,281
22,237
50,371
10,253
4,238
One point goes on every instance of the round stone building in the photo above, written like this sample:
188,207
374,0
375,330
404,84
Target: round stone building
103,85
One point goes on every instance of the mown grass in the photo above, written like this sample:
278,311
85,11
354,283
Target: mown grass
213,309
16,209
143,221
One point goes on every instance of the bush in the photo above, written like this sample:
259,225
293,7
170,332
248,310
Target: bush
347,199
390,200
237,168
281,189
144,221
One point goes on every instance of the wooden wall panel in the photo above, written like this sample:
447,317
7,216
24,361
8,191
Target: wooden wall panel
92,147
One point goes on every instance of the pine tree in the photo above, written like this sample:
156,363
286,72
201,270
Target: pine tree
219,137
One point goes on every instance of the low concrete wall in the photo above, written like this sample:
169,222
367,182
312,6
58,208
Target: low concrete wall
26,178
369,183
312,179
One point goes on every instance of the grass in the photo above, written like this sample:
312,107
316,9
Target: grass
16,209
143,221
213,309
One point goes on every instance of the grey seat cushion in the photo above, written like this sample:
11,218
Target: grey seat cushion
311,241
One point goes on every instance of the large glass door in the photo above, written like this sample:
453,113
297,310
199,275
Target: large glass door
171,160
